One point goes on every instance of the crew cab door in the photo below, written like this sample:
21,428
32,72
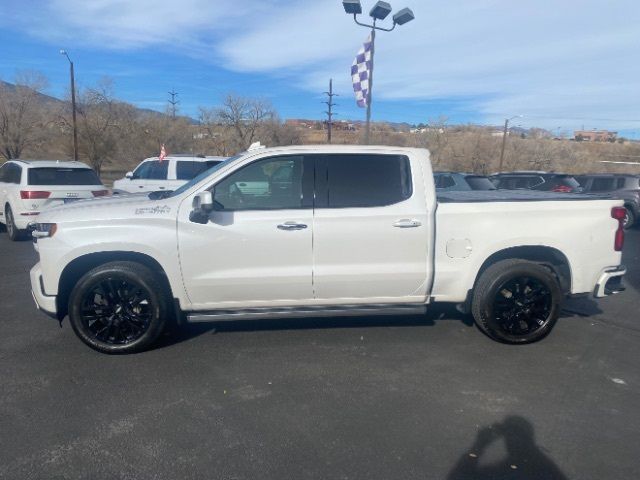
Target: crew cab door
256,249
372,229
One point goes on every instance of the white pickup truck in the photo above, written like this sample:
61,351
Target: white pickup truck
340,230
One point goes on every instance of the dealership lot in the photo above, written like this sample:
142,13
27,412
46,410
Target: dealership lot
324,398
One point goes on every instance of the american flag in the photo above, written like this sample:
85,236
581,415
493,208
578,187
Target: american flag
163,153
360,71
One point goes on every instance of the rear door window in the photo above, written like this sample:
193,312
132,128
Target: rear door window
62,176
480,183
444,181
188,169
603,184
362,180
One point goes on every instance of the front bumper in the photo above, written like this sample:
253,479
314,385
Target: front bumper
610,282
45,303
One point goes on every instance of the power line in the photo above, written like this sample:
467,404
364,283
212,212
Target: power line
330,105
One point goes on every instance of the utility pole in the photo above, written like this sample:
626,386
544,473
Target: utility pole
73,105
504,139
173,101
330,106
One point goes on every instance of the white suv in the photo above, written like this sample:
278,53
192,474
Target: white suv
29,186
171,173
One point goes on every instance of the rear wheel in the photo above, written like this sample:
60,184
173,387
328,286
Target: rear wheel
629,219
516,301
14,232
119,307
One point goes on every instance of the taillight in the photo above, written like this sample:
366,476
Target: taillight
619,213
33,195
100,193
562,189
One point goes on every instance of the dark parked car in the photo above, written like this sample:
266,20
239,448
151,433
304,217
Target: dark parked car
550,182
624,187
456,182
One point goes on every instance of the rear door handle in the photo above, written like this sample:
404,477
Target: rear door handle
406,223
292,226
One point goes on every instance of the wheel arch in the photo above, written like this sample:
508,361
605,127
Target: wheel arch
75,269
550,257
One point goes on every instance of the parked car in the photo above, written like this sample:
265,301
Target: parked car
625,187
550,182
28,187
453,181
341,230
170,173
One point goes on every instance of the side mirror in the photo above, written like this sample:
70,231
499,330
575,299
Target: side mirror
129,175
203,201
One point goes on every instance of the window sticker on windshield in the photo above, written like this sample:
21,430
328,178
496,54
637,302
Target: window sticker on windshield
157,210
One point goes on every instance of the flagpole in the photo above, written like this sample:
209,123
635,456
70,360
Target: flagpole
367,131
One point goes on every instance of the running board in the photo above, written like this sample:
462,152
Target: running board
306,311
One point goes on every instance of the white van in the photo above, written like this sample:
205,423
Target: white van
170,173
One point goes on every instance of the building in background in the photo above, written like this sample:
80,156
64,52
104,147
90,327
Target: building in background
595,136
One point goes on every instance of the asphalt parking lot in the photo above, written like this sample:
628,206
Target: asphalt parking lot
383,398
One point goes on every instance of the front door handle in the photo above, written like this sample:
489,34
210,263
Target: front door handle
406,223
292,226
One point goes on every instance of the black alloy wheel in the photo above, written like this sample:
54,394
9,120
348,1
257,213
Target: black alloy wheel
120,307
517,301
116,311
522,305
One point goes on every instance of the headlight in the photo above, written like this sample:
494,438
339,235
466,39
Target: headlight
44,230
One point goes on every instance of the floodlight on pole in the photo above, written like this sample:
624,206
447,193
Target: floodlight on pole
73,105
403,16
352,7
380,11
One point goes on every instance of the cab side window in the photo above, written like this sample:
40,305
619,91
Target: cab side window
270,184
153,170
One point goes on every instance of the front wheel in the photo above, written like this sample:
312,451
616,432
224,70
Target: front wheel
119,307
516,301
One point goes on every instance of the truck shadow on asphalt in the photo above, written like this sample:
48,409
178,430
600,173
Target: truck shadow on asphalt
438,313
524,459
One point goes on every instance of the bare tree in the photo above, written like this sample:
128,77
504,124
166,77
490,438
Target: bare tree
241,117
100,122
22,114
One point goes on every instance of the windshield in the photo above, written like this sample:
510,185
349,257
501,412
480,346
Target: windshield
201,177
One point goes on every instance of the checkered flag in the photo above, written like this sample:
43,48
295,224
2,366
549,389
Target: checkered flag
360,72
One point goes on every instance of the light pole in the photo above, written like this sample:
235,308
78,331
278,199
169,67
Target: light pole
380,11
73,106
504,138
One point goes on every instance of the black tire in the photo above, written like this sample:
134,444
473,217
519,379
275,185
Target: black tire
629,219
119,307
516,301
15,234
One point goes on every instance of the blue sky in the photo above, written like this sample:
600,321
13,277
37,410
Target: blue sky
562,65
